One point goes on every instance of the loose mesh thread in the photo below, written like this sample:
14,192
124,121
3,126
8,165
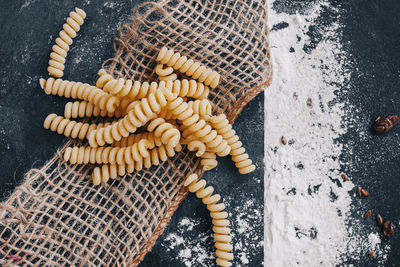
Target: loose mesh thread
57,217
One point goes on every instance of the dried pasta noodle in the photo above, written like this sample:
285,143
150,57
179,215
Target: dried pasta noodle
61,48
120,221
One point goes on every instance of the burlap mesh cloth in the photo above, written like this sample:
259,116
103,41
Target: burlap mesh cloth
57,217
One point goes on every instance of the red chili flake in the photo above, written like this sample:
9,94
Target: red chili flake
368,214
364,192
345,177
283,140
371,254
309,102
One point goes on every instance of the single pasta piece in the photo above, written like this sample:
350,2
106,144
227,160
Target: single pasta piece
168,133
157,155
182,111
131,90
70,128
83,109
198,146
219,216
188,88
188,67
81,91
60,49
166,74
208,160
112,155
134,138
238,153
171,77
143,111
202,107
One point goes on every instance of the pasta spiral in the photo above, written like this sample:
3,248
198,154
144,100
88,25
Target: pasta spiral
157,155
166,74
219,216
189,88
141,113
112,155
208,160
169,135
198,146
134,138
189,67
132,90
70,128
201,107
239,155
60,49
81,91
204,132
82,109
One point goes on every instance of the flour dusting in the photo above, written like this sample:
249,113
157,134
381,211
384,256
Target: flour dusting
193,249
307,204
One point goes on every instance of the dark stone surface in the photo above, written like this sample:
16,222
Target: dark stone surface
28,30
371,35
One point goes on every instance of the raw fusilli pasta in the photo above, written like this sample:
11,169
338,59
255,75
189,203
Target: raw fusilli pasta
201,107
208,160
165,74
134,138
157,155
142,112
70,128
60,49
131,90
81,91
239,155
169,134
82,109
112,155
188,66
219,216
188,88
182,111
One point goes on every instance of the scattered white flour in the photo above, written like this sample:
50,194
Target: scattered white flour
307,205
187,246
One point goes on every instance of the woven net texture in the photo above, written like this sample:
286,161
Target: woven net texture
58,218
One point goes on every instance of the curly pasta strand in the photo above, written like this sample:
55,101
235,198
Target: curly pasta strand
60,49
238,153
189,88
168,133
204,132
81,91
70,128
131,90
208,160
202,107
112,155
142,112
198,146
219,216
83,109
134,138
188,67
157,155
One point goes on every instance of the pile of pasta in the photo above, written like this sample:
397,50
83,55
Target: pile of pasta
148,122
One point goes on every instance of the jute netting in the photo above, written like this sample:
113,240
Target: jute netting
57,217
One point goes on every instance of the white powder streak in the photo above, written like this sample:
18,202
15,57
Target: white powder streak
305,208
